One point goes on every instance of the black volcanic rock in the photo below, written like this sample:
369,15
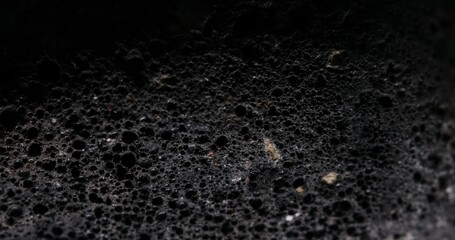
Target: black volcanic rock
227,120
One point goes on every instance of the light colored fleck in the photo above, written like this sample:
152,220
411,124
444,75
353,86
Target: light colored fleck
110,141
289,218
237,179
262,104
166,80
334,59
408,236
272,151
300,190
450,193
330,178
130,97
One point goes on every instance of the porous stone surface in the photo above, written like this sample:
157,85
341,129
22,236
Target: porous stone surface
273,120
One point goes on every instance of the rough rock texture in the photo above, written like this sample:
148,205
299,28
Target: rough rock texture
229,130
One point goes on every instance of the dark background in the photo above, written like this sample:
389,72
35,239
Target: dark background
30,29
59,27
